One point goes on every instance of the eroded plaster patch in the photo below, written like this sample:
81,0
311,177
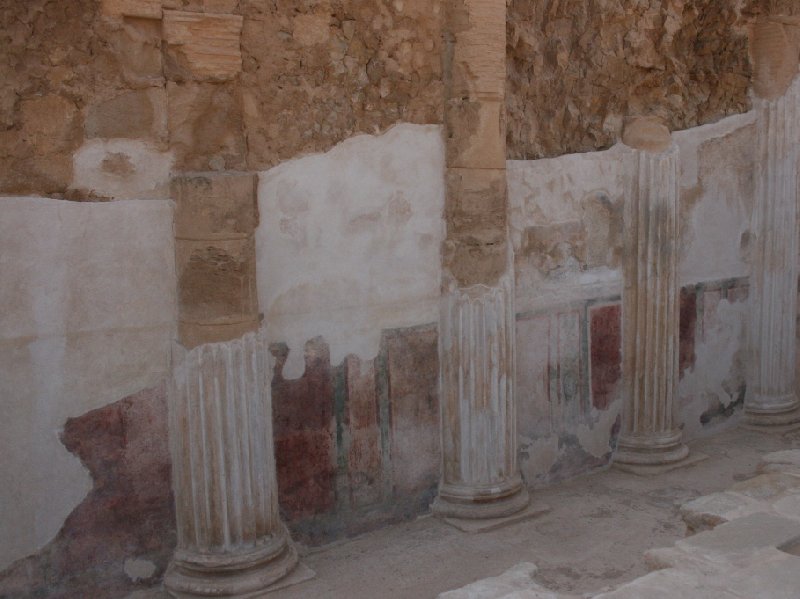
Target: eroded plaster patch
88,300
122,169
349,242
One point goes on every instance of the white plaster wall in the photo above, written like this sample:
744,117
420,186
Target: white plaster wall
551,192
88,312
716,200
349,242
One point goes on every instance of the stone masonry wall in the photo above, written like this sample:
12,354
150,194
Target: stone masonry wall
576,68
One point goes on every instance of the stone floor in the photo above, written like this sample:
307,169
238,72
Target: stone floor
593,539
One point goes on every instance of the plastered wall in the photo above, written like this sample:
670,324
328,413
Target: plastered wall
88,300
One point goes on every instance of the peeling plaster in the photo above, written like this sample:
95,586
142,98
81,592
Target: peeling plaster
349,242
122,169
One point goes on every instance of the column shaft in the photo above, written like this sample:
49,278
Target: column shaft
771,390
651,310
230,538
480,475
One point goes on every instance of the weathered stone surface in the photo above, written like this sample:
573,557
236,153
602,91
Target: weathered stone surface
577,68
202,46
217,298
120,169
214,205
786,461
775,47
314,75
205,126
135,114
646,133
146,9
127,515
517,582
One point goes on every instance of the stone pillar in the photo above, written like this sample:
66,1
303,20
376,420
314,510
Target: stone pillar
649,436
480,474
771,383
231,541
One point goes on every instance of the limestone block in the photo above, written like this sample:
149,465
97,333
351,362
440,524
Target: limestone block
767,486
135,114
215,205
741,536
476,134
216,289
137,46
476,194
646,133
774,47
121,169
311,29
516,582
205,126
202,46
709,511
781,461
48,122
146,9
479,51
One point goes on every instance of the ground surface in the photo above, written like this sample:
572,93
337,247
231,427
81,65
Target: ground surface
593,537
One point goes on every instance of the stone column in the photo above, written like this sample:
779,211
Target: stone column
649,436
231,542
771,384
480,474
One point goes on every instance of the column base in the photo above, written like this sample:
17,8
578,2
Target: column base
235,575
773,414
659,449
473,504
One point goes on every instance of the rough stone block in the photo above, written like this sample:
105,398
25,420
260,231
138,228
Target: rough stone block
202,46
146,9
211,205
216,282
137,46
476,196
781,461
476,134
767,486
709,511
479,52
741,536
135,114
48,123
205,126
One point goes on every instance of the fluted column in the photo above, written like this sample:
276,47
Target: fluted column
480,474
771,384
649,436
231,541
